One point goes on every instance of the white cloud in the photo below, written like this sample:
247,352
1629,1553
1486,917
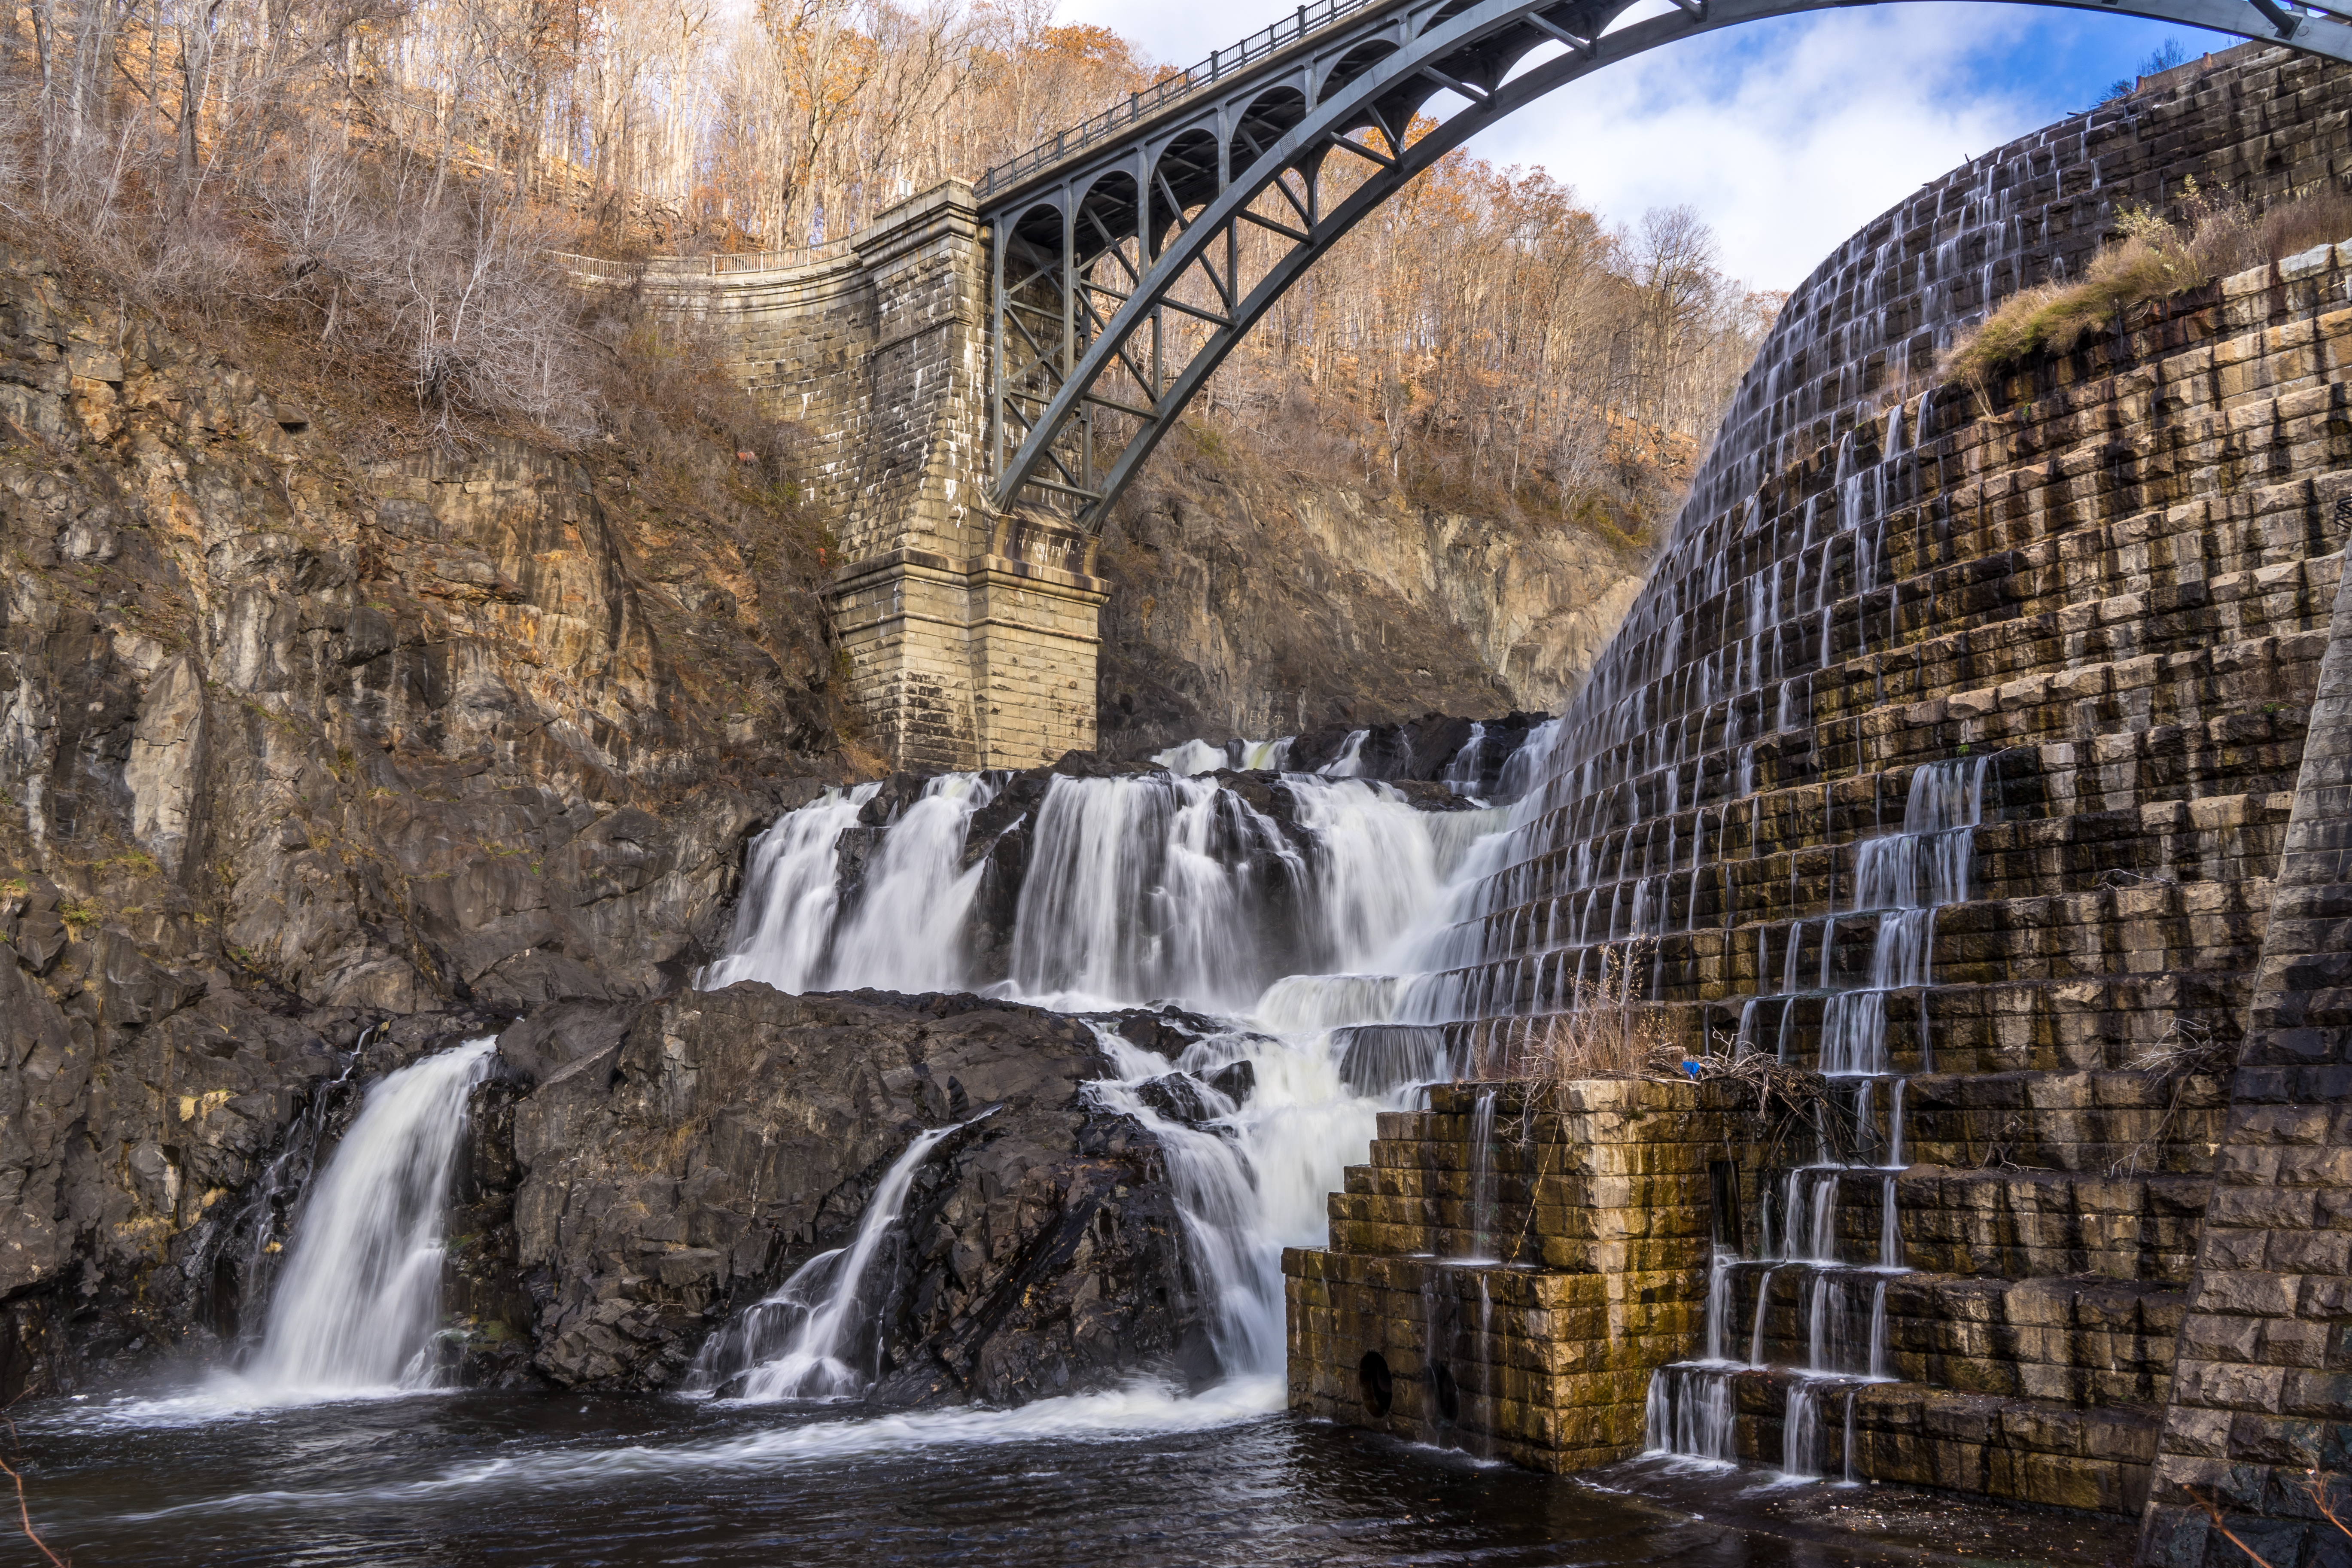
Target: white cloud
1785,135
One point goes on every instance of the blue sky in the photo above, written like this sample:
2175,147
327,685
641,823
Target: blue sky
1786,135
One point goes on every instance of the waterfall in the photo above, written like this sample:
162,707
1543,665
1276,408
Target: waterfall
1190,757
1461,774
783,922
1349,763
1242,1199
1801,1432
360,1299
1482,1177
1142,889
906,933
1145,888
1904,877
903,931
816,1335
1160,887
1524,769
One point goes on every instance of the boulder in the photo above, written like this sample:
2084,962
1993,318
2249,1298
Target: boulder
674,1160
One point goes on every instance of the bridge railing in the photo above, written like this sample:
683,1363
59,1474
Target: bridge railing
717,264
1220,64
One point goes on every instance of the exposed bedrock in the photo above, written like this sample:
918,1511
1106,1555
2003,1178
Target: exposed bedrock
293,742
1244,604
667,1165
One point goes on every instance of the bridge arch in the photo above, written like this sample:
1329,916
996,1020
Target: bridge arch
1349,69
1184,180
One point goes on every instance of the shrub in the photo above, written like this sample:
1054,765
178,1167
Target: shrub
2151,258
2324,218
1603,1034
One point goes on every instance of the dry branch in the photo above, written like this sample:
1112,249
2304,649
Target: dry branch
24,1510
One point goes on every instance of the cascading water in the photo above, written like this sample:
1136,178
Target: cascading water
1349,762
1149,887
1158,886
783,922
1903,878
904,929
1378,969
1482,1177
1194,757
360,1297
1462,773
816,1335
1671,796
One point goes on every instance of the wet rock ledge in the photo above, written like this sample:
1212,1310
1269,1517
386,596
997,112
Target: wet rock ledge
640,1172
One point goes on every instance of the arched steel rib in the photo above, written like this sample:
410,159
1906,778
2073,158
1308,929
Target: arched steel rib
1415,72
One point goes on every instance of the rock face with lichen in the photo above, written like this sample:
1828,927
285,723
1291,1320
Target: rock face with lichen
1244,604
292,744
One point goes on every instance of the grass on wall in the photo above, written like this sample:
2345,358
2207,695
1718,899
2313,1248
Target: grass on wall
2151,258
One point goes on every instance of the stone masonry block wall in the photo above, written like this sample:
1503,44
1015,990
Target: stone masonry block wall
971,638
2106,590
1512,1305
2261,1390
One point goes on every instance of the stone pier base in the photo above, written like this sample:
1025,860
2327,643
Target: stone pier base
986,662
971,635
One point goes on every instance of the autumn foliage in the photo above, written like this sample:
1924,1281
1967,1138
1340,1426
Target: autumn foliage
383,179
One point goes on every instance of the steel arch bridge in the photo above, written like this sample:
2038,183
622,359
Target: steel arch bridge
1118,277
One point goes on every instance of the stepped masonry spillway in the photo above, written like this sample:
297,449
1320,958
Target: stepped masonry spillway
1984,753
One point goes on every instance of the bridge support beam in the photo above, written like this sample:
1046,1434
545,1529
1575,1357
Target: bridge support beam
969,634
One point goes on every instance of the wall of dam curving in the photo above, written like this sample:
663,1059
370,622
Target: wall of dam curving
1987,758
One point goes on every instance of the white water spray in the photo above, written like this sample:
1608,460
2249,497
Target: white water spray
814,1336
361,1297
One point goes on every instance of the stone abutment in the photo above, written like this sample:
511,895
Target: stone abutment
971,635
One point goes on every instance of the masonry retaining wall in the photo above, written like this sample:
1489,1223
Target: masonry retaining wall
972,636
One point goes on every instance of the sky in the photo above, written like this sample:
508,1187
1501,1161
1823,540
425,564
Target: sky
1786,135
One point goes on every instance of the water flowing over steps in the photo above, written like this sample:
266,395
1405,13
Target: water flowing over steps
2108,591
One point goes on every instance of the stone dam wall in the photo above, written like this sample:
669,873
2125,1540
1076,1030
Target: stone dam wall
1991,759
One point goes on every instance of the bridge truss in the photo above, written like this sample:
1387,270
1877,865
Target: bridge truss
1131,253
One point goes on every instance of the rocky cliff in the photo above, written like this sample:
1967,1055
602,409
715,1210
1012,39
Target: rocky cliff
642,1173
1251,600
292,742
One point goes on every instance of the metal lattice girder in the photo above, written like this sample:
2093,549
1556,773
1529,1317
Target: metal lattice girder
1093,233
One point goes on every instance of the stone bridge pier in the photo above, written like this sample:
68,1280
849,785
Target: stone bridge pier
970,634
